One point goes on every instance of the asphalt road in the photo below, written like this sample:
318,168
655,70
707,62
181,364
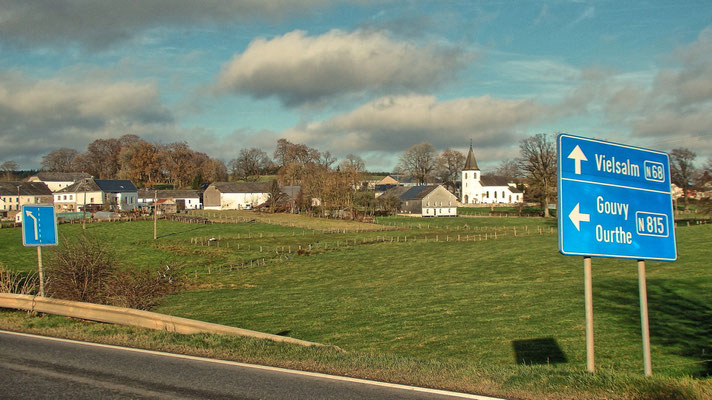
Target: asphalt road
42,368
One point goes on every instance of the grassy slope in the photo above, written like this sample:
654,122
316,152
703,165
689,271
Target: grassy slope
431,302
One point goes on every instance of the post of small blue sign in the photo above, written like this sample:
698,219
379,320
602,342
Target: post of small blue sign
615,200
39,228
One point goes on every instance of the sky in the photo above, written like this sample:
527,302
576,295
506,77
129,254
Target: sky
370,78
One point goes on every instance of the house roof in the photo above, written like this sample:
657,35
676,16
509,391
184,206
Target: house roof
395,191
51,176
116,185
401,178
471,163
104,185
418,192
490,180
24,188
242,187
167,194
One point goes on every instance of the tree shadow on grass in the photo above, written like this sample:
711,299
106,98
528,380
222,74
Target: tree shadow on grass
538,351
680,319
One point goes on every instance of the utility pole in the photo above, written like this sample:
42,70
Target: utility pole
84,206
155,214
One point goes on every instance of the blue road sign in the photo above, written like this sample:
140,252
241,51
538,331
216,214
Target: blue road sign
39,226
614,200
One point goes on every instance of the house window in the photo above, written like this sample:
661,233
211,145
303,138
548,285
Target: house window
495,194
64,197
465,175
91,199
71,197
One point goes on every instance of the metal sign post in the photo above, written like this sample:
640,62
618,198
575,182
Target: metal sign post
588,295
614,201
39,228
644,326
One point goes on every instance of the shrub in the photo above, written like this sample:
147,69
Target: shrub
86,270
18,283
79,270
141,289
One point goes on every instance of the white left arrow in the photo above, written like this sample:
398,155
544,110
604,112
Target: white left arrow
578,156
577,217
34,219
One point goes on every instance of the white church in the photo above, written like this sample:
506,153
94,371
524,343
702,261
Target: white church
488,190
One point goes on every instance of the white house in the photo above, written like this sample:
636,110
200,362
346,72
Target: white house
190,198
58,180
489,190
235,195
108,193
426,200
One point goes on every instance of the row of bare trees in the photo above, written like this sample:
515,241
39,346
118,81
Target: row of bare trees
144,163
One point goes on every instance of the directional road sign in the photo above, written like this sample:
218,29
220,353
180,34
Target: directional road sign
614,200
39,226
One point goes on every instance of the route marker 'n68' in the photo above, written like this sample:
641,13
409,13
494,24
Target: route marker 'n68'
614,201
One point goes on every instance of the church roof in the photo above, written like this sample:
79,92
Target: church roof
471,163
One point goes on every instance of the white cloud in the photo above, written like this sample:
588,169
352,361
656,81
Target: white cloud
37,116
301,69
393,123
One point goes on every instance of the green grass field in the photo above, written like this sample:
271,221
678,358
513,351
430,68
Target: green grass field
487,295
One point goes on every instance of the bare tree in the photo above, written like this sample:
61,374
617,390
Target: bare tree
682,169
449,165
250,164
353,163
326,159
102,160
418,161
59,160
9,167
508,169
276,195
538,161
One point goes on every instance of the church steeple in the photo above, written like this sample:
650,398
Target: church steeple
470,163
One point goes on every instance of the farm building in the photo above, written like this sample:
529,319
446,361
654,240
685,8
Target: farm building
428,201
477,189
235,195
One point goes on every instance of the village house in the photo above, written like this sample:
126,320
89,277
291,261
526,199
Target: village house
183,199
392,181
108,194
235,195
58,180
476,189
13,195
426,200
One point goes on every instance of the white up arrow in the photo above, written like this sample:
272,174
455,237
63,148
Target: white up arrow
577,217
578,156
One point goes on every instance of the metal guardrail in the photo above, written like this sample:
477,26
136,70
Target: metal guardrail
132,317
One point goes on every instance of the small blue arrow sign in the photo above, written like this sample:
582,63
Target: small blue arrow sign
614,200
39,226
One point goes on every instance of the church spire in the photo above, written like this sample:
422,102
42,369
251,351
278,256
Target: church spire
470,163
